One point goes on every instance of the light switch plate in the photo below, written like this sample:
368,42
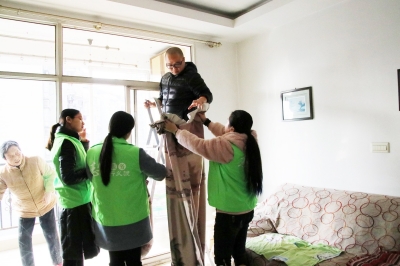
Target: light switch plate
380,147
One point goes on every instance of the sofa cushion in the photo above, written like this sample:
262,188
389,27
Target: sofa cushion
355,222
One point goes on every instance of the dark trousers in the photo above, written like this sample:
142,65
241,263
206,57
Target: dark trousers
131,257
77,235
73,262
230,233
49,227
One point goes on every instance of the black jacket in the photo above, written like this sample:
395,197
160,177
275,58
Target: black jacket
178,92
67,159
77,233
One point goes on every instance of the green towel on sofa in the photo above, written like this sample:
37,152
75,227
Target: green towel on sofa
290,249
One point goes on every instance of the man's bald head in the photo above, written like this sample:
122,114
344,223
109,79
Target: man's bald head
173,51
174,60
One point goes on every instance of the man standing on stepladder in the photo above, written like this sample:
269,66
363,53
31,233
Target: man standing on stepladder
182,90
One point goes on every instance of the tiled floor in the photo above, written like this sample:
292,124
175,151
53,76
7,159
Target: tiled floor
11,257
42,258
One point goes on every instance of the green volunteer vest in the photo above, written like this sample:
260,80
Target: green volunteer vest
71,195
227,190
124,200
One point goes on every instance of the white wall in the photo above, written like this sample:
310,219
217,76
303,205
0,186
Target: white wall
217,66
349,54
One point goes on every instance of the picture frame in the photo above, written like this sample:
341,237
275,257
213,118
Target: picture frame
297,104
398,82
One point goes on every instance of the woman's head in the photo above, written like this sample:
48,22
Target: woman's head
241,122
121,124
72,119
11,153
69,118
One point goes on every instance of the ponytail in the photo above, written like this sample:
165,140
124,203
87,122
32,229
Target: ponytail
106,159
242,122
253,165
50,141
121,123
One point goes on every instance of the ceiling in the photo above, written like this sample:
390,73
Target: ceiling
224,8
216,20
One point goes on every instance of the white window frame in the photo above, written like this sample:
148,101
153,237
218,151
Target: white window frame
59,79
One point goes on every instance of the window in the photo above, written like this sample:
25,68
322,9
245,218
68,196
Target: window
97,103
27,112
101,74
100,55
27,47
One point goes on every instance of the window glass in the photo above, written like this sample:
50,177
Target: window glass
100,55
149,140
27,112
97,103
27,47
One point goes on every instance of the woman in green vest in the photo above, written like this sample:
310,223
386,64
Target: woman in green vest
68,145
120,201
234,180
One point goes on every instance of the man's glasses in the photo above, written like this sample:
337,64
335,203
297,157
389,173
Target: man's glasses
176,65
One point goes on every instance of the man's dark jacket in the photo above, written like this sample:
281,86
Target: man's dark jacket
178,92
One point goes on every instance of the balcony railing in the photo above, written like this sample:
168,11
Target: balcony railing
7,219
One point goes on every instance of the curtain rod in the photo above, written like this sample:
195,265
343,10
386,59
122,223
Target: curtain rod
99,25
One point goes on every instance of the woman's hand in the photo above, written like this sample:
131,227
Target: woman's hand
202,116
48,197
170,127
82,135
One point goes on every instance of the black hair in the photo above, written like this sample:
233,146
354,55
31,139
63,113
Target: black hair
121,123
63,117
242,122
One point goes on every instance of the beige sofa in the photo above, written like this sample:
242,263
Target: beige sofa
355,222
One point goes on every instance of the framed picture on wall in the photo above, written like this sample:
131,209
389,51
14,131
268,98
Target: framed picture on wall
297,104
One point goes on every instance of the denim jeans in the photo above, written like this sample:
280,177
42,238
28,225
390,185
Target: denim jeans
48,224
230,232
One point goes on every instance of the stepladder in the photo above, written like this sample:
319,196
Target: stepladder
159,142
